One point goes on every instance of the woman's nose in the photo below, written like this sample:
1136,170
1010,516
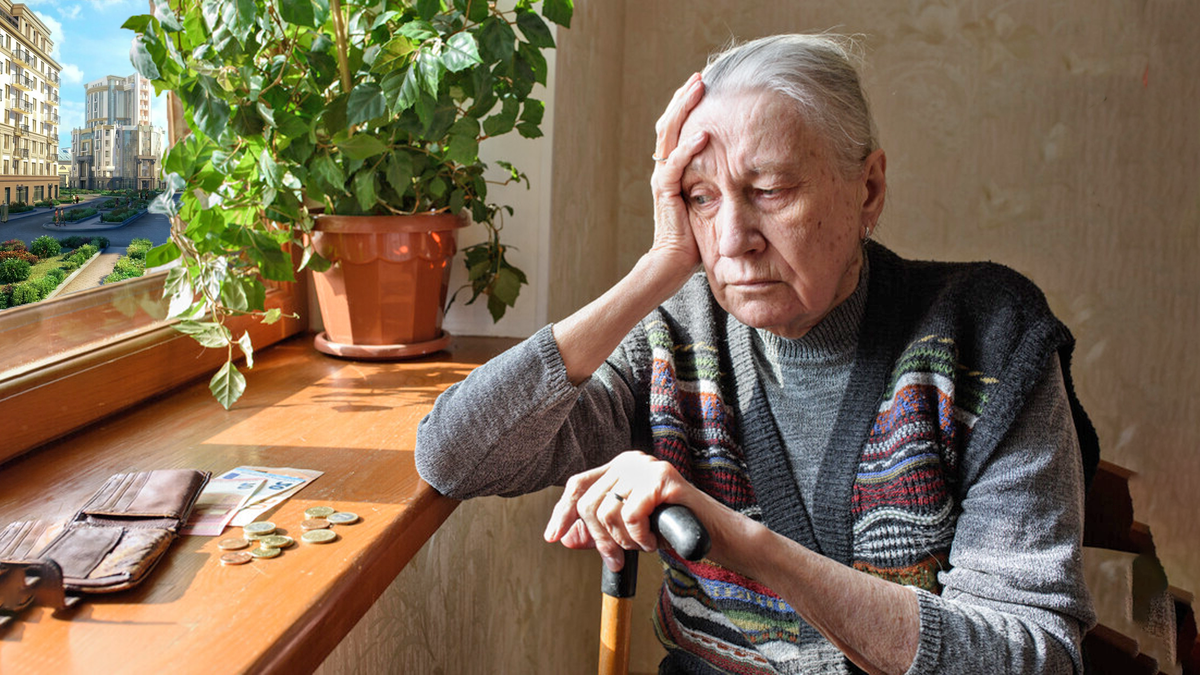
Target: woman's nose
738,230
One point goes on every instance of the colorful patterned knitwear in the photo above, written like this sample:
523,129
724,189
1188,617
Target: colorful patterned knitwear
933,474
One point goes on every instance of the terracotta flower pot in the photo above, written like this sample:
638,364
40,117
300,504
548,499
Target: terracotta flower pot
385,294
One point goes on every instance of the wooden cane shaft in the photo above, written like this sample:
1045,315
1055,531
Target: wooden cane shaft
615,627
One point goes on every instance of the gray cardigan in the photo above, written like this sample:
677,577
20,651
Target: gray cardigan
1013,599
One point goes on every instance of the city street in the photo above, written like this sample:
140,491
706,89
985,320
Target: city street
29,227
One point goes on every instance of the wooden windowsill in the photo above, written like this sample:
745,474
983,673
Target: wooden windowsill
355,421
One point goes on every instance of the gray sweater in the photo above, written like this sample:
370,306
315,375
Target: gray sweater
1011,596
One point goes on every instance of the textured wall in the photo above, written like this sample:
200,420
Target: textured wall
1059,137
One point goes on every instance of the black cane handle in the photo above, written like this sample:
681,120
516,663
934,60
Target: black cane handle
682,531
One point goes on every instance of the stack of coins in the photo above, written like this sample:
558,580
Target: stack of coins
318,529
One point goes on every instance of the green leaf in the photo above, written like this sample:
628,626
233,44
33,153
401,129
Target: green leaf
328,173
400,172
178,288
208,333
362,146
427,9
503,121
228,385
535,30
141,59
211,115
476,11
418,31
162,254
366,103
559,11
247,349
531,118
269,170
273,264
461,52
408,93
464,142
364,189
272,316
497,41
392,55
298,12
429,70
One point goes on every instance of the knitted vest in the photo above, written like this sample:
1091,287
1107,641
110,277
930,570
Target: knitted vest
946,355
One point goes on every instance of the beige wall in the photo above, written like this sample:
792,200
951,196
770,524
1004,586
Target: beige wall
1061,138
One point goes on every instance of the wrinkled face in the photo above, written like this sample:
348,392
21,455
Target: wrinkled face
778,225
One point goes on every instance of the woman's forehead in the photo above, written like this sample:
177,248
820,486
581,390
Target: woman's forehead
757,132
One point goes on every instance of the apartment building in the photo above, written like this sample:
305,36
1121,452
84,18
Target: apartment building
29,111
118,148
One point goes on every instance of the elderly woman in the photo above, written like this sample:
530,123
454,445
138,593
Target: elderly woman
887,453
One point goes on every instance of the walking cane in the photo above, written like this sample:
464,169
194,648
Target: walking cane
685,535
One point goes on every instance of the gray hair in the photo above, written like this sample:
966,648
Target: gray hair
817,72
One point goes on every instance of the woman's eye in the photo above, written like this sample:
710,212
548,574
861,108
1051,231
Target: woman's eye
701,200
770,192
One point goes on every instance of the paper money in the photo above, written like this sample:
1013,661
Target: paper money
281,483
218,504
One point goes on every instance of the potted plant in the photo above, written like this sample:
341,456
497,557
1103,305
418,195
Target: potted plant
298,107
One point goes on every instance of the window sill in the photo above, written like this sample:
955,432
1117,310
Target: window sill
354,421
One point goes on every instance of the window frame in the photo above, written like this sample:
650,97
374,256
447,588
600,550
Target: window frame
66,392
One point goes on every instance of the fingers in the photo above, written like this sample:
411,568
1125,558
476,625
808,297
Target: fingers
609,507
667,128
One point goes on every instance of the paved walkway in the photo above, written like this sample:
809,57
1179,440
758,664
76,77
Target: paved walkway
91,277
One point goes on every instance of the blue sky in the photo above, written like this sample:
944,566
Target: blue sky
89,44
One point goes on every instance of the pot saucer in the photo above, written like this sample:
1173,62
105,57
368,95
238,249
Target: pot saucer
380,352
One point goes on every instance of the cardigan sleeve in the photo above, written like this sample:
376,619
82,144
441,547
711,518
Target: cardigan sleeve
1014,599
516,424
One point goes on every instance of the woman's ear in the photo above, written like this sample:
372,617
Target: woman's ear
874,182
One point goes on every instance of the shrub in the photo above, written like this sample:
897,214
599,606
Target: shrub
138,248
13,270
82,254
73,241
117,215
109,203
3,299
69,266
23,294
19,255
19,207
100,243
79,213
45,246
44,203
13,245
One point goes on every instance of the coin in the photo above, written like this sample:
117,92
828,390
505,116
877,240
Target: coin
257,537
232,544
236,558
318,536
265,552
261,527
276,541
319,511
314,524
343,518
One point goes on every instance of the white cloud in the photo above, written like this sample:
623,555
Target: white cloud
56,33
71,12
71,74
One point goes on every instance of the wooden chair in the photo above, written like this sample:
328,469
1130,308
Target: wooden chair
1163,611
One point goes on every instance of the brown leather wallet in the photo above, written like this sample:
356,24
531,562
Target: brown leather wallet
118,536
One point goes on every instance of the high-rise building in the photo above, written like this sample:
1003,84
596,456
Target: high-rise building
29,111
118,148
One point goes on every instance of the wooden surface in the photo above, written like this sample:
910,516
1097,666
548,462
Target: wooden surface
354,421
